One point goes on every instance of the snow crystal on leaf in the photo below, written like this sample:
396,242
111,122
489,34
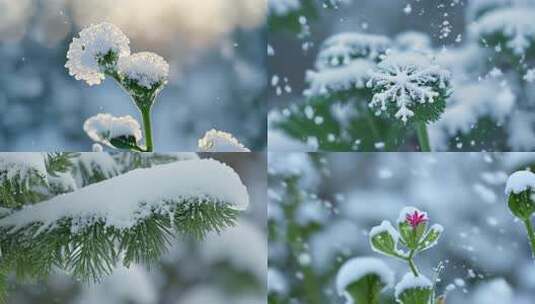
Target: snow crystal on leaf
146,69
340,49
516,24
519,182
357,268
410,281
219,141
405,80
121,202
94,42
351,76
103,127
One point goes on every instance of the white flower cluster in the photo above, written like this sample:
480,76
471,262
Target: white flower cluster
86,55
104,127
145,68
95,42
219,141
405,80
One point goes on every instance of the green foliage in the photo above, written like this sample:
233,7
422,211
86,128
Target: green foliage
420,295
521,204
367,290
135,160
485,135
385,243
59,162
290,22
21,189
196,219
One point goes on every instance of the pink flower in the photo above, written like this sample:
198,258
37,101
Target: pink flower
415,218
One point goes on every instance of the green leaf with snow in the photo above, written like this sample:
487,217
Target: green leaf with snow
384,239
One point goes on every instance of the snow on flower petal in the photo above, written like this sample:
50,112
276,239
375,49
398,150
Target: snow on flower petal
146,69
87,57
219,141
104,127
405,81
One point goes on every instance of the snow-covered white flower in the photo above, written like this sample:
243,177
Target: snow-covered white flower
144,69
219,141
408,85
96,51
105,128
514,27
342,48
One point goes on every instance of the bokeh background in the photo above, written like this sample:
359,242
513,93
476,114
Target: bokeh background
226,268
216,49
484,250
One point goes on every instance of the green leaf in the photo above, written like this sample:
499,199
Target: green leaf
521,204
367,290
418,295
410,236
431,237
384,239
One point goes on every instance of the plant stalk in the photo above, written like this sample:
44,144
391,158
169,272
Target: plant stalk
412,265
531,235
423,137
147,128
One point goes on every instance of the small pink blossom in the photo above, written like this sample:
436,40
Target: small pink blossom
415,218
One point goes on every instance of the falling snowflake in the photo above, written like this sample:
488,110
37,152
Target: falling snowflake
405,81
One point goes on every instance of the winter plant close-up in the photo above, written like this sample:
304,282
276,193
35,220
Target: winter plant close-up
404,76
410,228
93,216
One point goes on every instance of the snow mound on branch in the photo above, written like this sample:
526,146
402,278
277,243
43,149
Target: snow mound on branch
93,42
103,127
407,79
515,23
21,164
145,68
341,48
283,7
123,201
357,268
219,141
410,281
97,162
351,76
520,181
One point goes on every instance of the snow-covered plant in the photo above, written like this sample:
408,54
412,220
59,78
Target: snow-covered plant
102,50
520,189
361,280
411,237
219,141
93,211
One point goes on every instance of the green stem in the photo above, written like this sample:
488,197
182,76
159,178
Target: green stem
147,128
531,235
423,137
412,265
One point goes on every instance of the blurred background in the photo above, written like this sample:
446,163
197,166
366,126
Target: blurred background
216,49
226,268
341,196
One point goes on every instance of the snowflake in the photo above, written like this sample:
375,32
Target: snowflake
406,80
146,69
103,128
98,48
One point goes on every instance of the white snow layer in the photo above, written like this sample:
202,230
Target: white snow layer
145,68
20,164
219,141
95,41
351,76
357,268
126,199
520,181
103,127
410,281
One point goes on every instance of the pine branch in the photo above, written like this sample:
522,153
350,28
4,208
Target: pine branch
59,162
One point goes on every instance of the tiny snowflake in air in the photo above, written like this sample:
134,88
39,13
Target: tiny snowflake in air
110,130
409,85
219,141
96,52
144,69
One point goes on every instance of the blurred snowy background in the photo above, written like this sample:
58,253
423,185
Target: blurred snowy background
491,108
216,49
343,195
226,268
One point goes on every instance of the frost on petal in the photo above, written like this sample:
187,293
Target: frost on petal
344,78
145,69
358,268
514,25
125,200
409,84
219,141
342,48
104,128
97,49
